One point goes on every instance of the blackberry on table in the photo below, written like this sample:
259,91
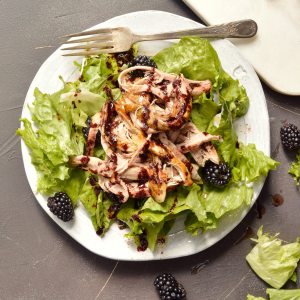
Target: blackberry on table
216,174
61,206
168,287
141,60
290,136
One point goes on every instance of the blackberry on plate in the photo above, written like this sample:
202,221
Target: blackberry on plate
216,174
61,206
290,136
141,60
168,287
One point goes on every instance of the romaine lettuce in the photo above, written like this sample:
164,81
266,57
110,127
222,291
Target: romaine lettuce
284,294
249,163
196,59
250,297
273,261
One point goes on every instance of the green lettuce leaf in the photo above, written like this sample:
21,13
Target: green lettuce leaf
250,297
193,225
97,205
59,119
271,261
52,144
295,169
193,57
250,164
196,59
233,95
98,72
89,103
222,201
227,147
284,294
202,113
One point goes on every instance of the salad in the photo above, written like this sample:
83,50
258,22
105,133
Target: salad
142,141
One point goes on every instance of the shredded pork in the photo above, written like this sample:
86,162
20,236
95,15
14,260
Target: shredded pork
146,136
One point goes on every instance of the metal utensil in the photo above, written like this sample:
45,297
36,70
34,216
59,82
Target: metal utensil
119,39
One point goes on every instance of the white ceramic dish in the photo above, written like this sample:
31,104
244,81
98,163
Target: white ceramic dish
253,128
275,50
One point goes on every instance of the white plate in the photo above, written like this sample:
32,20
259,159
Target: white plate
275,20
253,128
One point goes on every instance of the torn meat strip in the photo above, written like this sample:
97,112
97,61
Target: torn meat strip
146,134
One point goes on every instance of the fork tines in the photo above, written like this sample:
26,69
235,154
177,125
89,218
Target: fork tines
97,41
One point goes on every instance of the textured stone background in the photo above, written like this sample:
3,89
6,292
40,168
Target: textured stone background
40,261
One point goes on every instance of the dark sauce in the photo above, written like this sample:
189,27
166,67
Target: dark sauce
145,115
143,242
188,165
125,147
81,78
143,176
114,158
111,114
109,94
248,233
84,160
161,240
113,210
173,205
139,203
136,218
113,197
113,81
260,210
100,231
123,58
277,200
150,79
143,154
122,225
197,268
94,184
108,64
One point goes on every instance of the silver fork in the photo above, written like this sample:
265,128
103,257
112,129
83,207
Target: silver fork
119,39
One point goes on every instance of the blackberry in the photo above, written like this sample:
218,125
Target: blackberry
61,206
85,131
168,287
216,174
290,136
141,60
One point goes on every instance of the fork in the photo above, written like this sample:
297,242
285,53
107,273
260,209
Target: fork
119,39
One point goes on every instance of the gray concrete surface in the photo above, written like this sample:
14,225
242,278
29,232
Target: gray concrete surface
40,261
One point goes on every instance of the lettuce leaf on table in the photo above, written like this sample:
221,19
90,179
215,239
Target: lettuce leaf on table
273,261
250,297
274,294
295,169
284,294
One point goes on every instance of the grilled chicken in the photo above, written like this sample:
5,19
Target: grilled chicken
146,135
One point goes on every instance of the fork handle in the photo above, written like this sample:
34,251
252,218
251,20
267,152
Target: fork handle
237,29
